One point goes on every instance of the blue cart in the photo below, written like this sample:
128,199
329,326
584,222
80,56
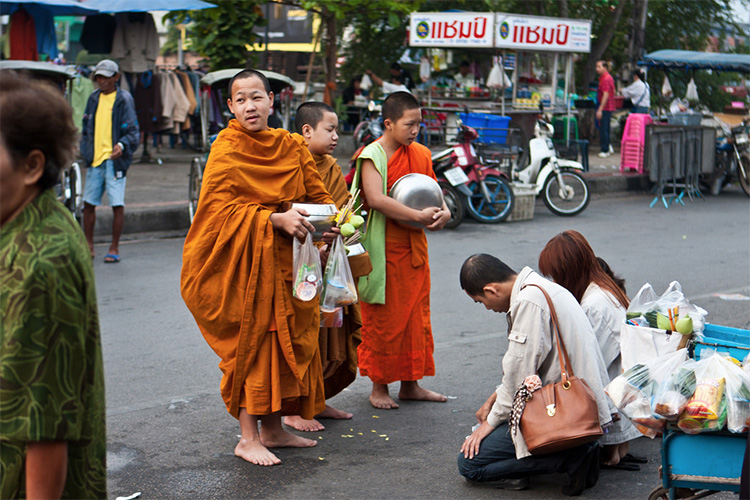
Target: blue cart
698,465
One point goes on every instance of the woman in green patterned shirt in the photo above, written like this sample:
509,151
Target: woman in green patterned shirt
52,410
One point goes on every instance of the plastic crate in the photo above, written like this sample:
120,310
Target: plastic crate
523,203
487,126
686,119
723,339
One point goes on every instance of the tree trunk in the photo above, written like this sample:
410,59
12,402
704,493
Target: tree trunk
562,7
329,18
601,44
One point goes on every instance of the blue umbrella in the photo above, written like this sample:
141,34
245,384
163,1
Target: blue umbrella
147,5
56,7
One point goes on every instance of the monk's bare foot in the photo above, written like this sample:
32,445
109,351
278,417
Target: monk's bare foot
412,390
284,439
331,412
381,399
255,453
302,424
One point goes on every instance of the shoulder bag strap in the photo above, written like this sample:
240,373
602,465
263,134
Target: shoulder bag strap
565,370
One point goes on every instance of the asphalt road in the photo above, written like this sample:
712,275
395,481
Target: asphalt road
171,437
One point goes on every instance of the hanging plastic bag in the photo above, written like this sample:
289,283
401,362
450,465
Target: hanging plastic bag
495,78
674,393
692,91
722,395
333,319
633,391
308,275
339,288
366,82
666,88
644,336
424,69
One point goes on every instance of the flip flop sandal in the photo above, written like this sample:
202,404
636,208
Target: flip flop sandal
111,258
622,466
633,459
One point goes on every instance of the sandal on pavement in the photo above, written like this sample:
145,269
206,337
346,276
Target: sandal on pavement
621,466
111,258
633,459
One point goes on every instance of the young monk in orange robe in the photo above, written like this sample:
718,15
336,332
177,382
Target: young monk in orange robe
237,272
318,124
395,297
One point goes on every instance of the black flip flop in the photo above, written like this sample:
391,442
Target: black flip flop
622,466
632,459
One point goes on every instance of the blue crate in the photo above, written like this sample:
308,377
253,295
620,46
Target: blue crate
487,126
724,338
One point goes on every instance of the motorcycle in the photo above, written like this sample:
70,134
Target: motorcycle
563,189
732,160
469,185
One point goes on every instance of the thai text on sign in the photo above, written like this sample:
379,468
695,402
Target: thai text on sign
451,29
542,33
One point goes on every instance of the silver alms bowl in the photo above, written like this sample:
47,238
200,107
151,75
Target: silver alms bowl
417,191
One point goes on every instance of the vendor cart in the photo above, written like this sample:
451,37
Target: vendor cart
698,465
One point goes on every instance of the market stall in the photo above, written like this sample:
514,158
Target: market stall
538,51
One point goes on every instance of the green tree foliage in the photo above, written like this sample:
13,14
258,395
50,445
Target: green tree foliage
222,33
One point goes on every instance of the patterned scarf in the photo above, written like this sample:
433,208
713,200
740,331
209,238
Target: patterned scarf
523,394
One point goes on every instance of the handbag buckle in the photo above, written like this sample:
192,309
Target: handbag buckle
551,410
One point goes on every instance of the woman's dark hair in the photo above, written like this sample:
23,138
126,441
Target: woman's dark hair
639,74
570,261
618,280
480,270
35,116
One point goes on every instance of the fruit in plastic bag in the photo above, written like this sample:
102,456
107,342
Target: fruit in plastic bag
684,325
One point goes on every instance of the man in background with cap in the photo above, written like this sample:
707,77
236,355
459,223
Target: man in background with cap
109,136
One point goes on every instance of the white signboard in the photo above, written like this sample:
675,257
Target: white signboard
451,29
514,31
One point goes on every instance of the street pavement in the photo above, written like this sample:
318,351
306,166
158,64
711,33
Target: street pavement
156,194
169,435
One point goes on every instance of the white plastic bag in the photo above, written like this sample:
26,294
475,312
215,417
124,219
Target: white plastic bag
666,88
308,274
692,91
366,82
339,288
495,78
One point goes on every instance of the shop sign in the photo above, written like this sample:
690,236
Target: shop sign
542,33
451,29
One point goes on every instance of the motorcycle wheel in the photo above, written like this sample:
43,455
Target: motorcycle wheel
501,204
359,132
743,173
194,186
454,203
568,204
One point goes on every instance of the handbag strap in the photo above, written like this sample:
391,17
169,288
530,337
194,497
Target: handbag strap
565,370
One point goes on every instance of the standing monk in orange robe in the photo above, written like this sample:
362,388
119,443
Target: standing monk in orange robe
237,272
318,124
395,297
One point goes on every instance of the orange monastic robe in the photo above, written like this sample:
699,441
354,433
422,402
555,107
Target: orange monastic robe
338,346
397,336
237,273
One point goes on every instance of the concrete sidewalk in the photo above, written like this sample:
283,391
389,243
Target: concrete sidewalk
156,195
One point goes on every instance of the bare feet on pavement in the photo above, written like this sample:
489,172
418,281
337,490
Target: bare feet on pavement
284,439
381,399
255,453
302,424
331,412
411,390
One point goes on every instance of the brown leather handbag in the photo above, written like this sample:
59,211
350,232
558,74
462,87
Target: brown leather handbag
562,415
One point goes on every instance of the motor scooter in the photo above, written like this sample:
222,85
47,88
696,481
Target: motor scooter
732,160
557,180
469,185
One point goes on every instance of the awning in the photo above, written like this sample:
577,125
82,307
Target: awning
277,80
687,59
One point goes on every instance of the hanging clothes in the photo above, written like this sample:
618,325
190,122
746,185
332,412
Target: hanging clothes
44,24
98,33
182,104
147,97
167,101
135,44
22,37
81,90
